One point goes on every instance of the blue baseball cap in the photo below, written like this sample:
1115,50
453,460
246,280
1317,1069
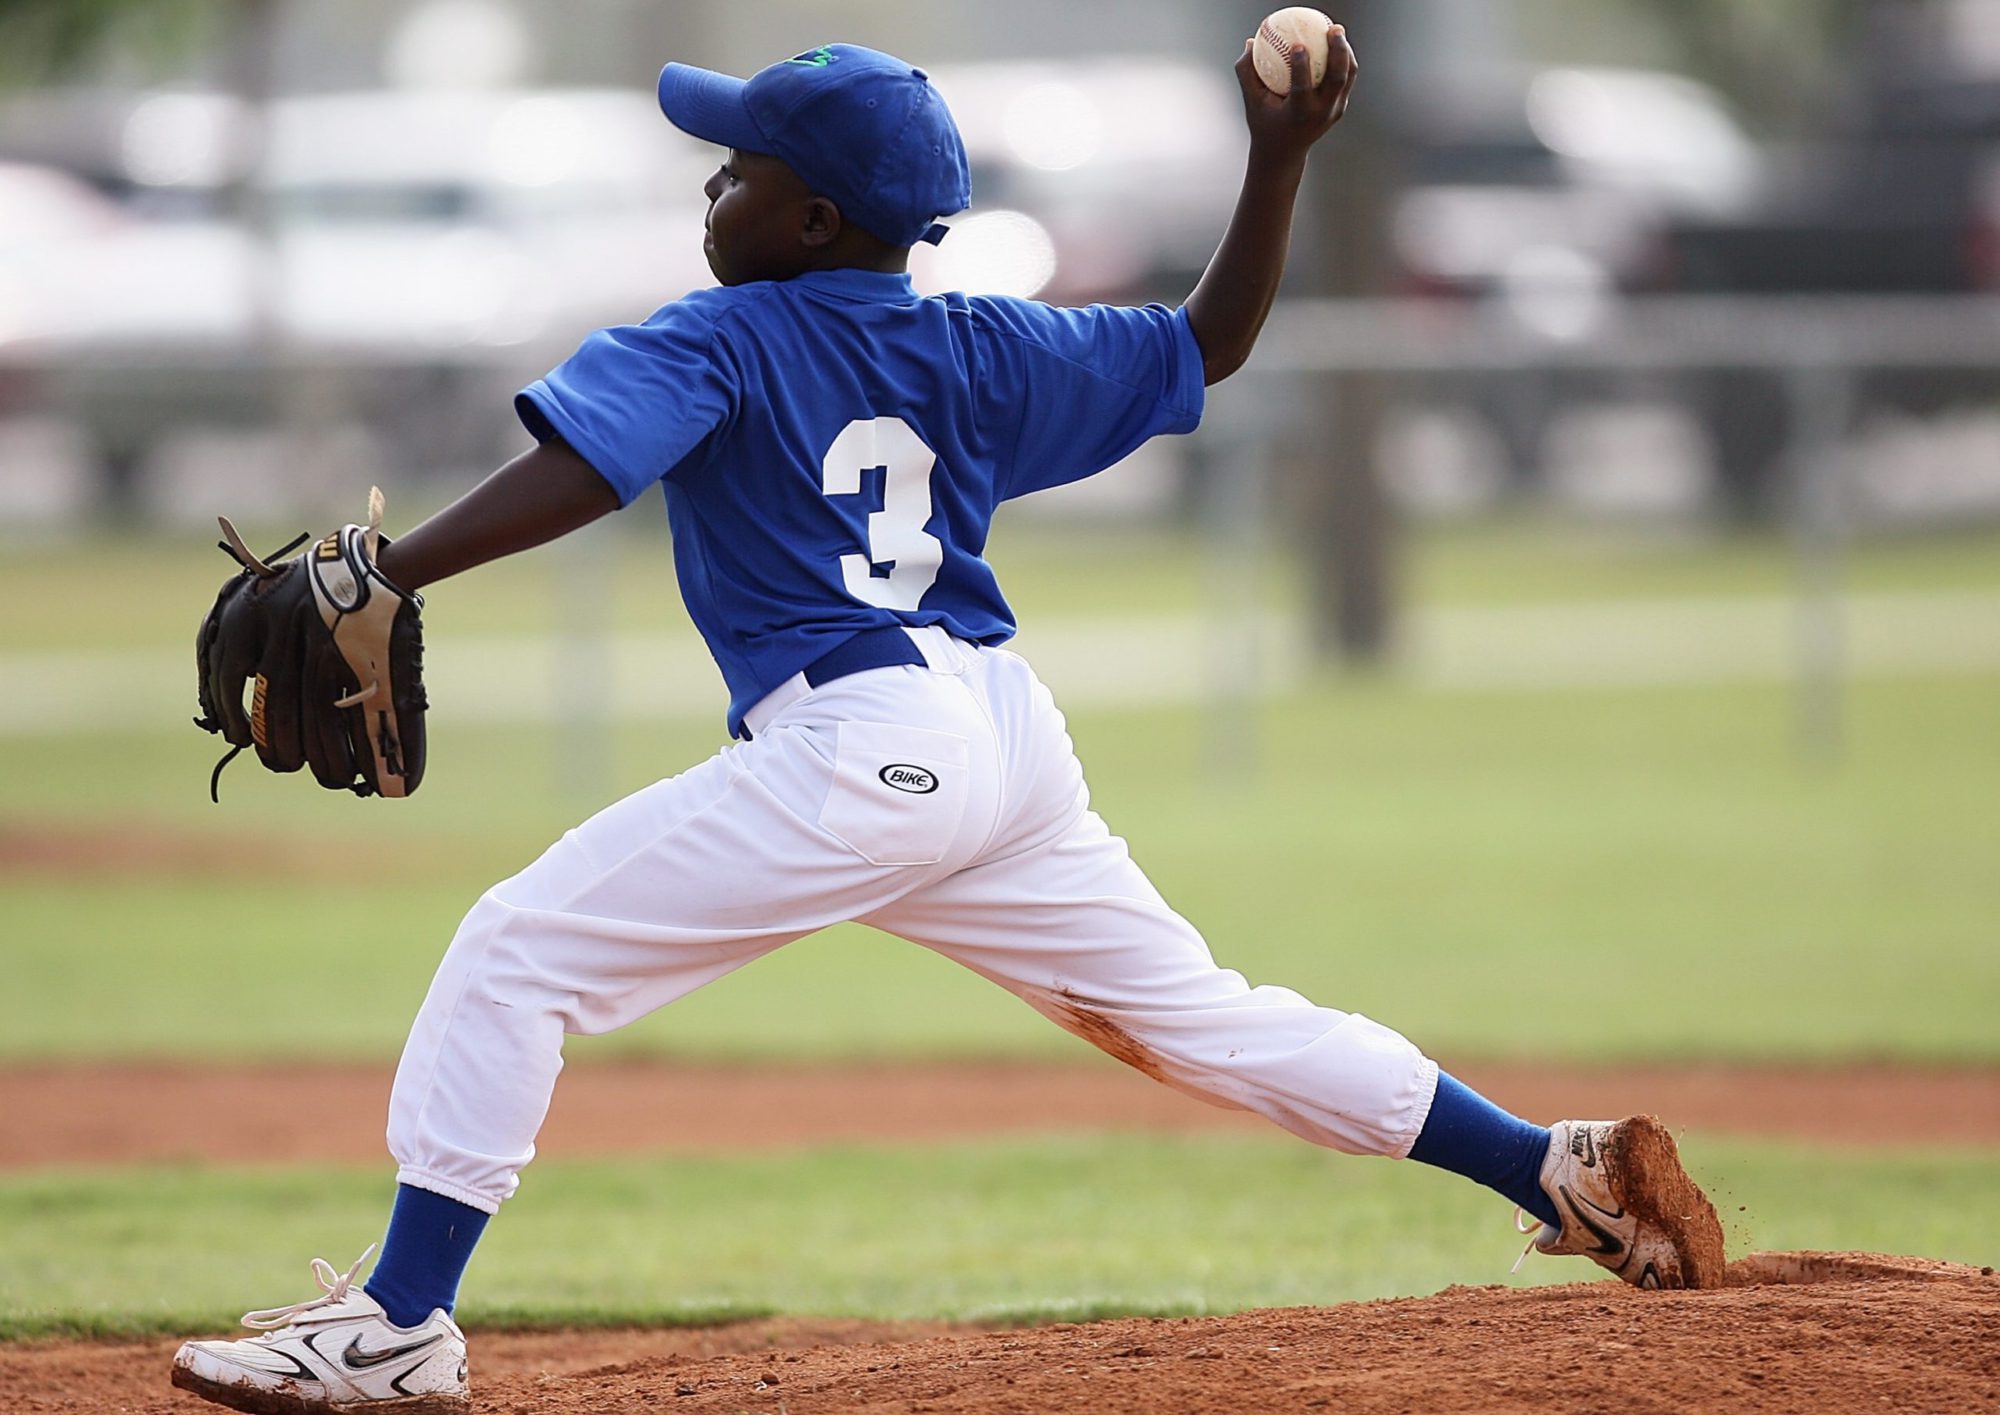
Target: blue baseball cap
860,127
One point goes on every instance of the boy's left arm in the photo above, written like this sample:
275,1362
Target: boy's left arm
546,492
333,638
1233,297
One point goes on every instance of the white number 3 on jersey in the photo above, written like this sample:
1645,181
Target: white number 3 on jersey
896,535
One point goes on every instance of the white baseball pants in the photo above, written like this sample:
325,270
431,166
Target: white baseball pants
944,804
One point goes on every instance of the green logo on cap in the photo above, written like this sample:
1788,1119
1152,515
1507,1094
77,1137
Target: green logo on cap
814,58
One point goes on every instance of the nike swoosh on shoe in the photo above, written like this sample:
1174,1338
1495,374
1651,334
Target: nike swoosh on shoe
1609,1243
355,1359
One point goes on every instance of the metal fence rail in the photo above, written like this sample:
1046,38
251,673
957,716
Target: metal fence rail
1651,333
1818,347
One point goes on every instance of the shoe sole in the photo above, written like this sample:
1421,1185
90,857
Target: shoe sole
1645,1163
254,1401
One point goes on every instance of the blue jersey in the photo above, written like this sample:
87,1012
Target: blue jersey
833,446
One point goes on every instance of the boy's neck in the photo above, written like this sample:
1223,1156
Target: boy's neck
885,260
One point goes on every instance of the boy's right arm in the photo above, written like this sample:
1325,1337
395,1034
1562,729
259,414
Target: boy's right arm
1229,305
544,493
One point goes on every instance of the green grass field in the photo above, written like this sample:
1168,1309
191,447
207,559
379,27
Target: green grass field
1442,862
145,590
1640,872
1014,1232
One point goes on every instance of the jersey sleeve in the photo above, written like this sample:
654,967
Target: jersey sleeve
1090,385
635,399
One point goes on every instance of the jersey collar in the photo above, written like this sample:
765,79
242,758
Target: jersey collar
871,286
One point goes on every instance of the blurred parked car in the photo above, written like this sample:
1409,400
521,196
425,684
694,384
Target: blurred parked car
43,213
1565,174
375,219
1901,197
494,218
1553,193
395,242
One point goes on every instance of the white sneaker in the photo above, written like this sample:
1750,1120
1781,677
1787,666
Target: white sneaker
1628,1205
335,1352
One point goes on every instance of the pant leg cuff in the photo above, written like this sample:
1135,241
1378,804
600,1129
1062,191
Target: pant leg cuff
1427,1084
436,1184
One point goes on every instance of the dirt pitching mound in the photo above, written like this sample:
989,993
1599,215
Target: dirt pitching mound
1804,1332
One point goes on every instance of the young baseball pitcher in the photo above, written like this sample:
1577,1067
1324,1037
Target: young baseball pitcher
832,448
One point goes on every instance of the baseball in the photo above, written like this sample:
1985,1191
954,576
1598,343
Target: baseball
1297,27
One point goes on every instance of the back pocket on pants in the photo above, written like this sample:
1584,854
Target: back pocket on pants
898,793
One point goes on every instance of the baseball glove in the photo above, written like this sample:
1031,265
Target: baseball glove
336,653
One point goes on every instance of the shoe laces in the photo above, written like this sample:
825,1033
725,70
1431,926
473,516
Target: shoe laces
1525,1222
334,1287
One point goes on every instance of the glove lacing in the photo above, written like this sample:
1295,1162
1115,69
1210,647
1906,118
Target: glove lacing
263,568
232,545
334,1287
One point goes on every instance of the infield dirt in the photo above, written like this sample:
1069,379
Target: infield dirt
1860,1332
1838,1332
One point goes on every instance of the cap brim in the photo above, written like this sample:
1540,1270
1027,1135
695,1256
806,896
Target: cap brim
709,106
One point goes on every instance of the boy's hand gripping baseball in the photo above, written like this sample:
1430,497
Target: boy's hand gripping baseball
1229,304
1290,123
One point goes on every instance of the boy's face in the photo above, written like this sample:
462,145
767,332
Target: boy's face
758,215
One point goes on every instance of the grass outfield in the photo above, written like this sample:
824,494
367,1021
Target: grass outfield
1629,874
136,591
1466,866
1045,1230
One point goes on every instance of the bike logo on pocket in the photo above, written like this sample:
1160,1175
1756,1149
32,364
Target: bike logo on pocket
913,779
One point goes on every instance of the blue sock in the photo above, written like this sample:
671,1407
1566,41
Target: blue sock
430,1241
1469,1135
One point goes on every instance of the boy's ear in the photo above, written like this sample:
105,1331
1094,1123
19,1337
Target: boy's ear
822,223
